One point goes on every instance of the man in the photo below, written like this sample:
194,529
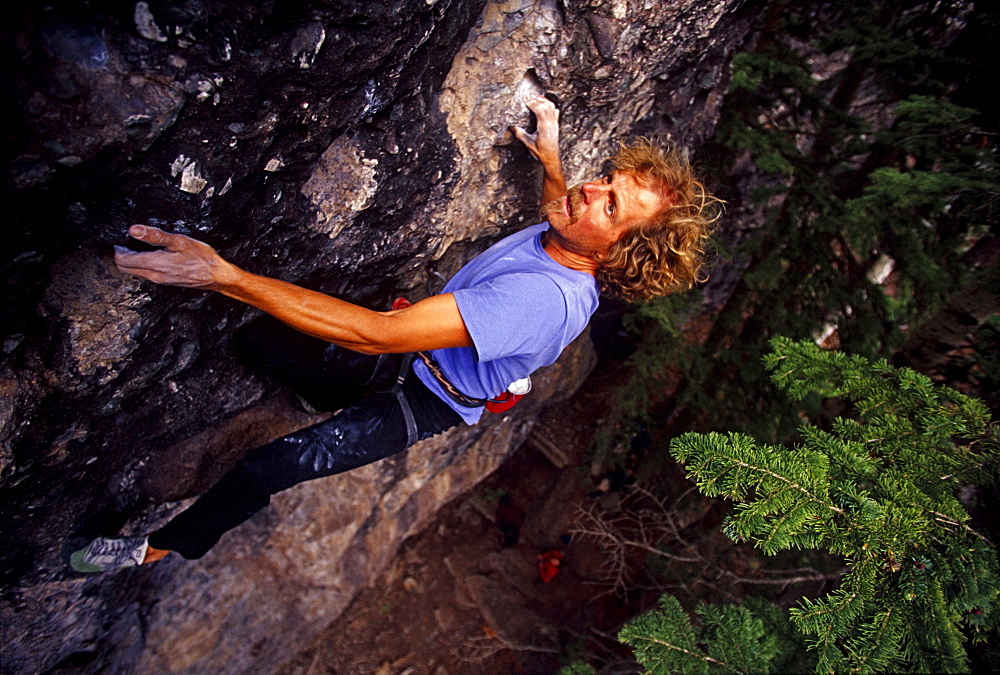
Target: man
637,232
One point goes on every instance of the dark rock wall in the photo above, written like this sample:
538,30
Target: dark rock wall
358,148
204,118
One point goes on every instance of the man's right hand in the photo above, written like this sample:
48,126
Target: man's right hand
544,143
182,261
432,323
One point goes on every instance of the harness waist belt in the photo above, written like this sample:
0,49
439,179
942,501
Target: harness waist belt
453,393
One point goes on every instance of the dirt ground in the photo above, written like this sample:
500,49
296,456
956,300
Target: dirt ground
458,600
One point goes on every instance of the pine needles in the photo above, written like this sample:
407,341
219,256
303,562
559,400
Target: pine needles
879,489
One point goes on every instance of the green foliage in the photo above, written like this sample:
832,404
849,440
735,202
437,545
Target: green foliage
843,131
668,314
577,668
727,638
851,131
879,489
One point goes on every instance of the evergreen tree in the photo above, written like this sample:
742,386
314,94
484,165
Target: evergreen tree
881,490
861,139
842,133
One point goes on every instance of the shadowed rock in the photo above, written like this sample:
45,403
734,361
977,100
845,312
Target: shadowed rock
357,148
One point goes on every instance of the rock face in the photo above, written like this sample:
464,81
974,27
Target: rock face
358,148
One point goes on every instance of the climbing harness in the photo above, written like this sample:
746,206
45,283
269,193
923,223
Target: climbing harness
501,403
453,393
506,400
404,405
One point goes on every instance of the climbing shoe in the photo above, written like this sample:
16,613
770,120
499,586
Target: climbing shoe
106,555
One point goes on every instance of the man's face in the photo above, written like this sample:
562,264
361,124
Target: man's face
593,216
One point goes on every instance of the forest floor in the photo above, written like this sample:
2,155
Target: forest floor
457,600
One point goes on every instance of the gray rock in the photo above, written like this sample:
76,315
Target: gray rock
328,144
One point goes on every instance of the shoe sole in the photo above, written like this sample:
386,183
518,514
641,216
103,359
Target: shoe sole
77,562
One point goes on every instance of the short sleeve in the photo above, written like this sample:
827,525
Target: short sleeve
512,314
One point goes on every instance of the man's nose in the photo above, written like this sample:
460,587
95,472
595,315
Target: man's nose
592,190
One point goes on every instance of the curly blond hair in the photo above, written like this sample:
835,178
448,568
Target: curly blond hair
665,255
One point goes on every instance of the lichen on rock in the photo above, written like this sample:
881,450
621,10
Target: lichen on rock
342,185
98,309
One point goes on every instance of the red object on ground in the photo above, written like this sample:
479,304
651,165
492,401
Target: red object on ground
548,564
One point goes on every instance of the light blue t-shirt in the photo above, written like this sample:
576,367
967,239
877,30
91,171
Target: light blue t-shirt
521,308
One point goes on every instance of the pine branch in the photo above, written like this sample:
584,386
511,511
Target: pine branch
696,655
945,520
878,648
792,484
897,448
832,576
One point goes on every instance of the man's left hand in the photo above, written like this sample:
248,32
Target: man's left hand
544,143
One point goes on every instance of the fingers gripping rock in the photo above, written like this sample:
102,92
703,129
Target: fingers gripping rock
155,236
544,143
182,262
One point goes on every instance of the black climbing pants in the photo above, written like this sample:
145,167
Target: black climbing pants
375,395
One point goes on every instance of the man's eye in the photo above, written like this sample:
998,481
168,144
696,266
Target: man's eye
607,179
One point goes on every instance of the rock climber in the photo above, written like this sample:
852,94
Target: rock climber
636,232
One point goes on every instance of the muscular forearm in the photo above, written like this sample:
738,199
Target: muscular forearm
553,182
313,313
434,323
430,324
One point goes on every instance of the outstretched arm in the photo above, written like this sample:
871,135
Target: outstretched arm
544,145
434,323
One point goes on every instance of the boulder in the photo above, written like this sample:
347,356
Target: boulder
357,148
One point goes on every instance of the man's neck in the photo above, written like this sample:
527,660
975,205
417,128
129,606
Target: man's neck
568,258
